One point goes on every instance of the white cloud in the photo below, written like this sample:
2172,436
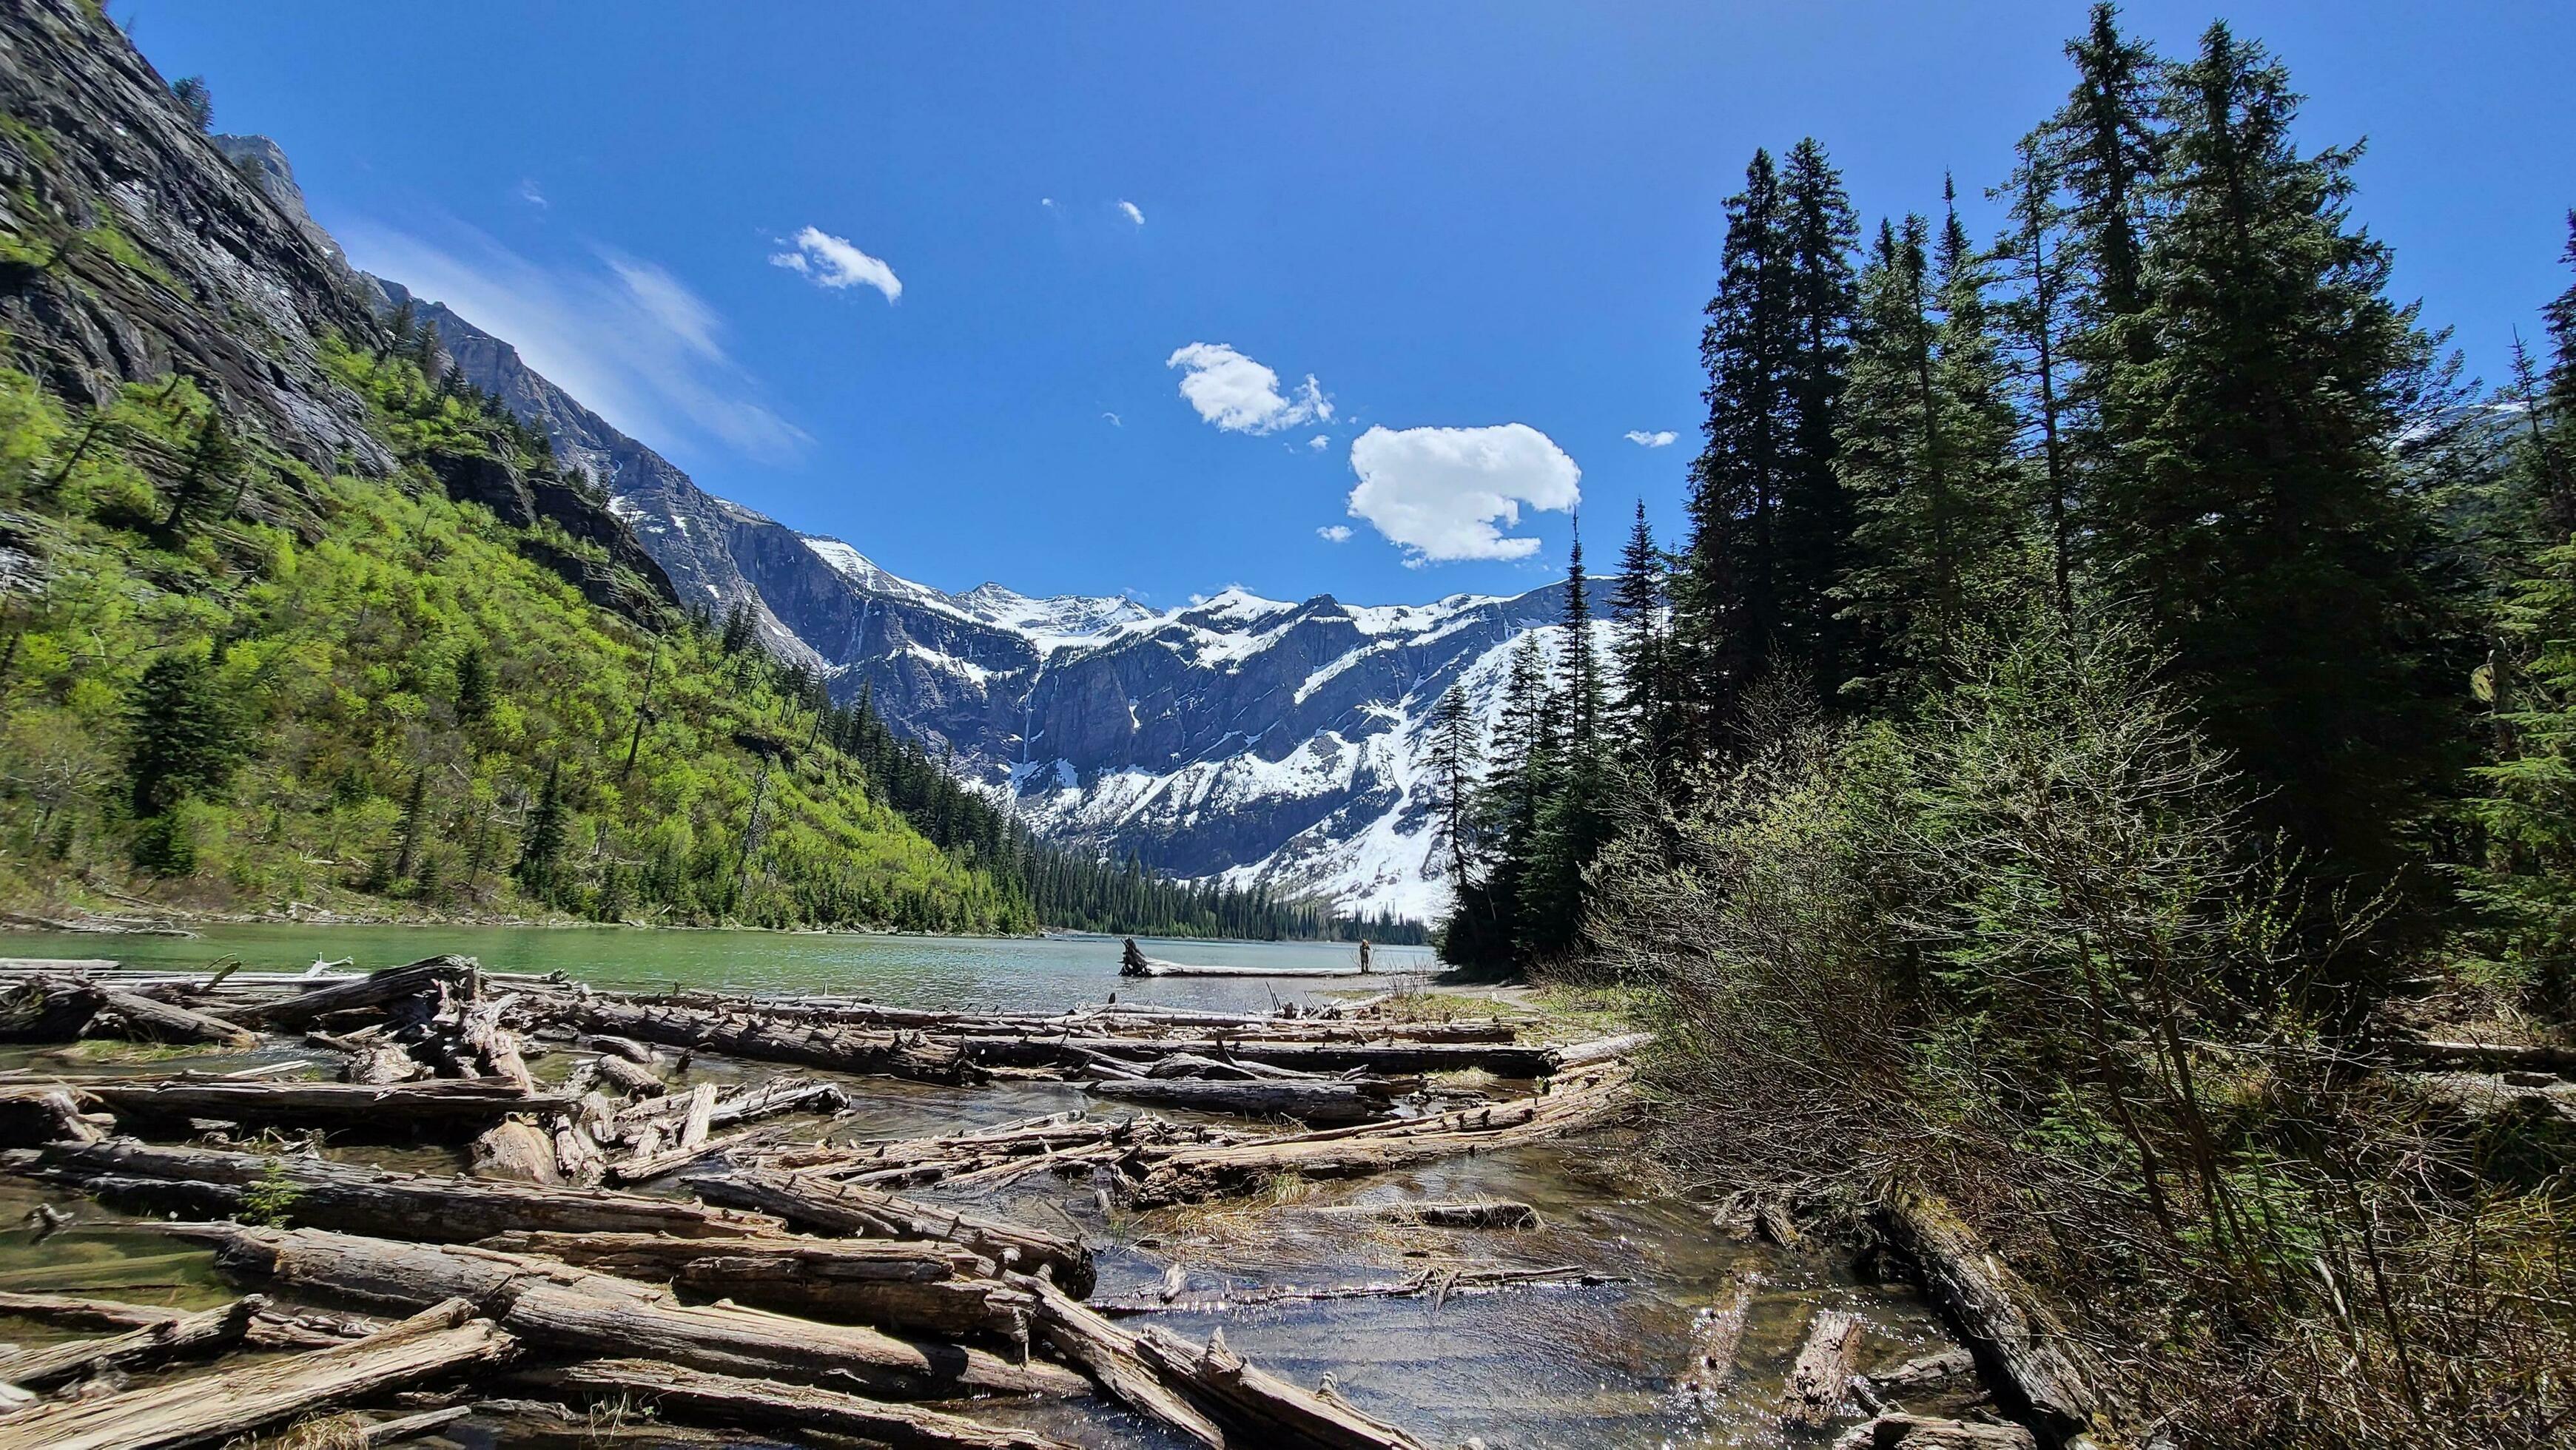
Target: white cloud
1334,533
1240,395
833,262
1114,420
528,192
1320,442
1048,202
1652,440
1441,492
1134,213
622,335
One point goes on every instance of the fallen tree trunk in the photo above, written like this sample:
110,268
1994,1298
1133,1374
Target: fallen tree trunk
1308,1102
1491,1214
577,1311
927,1286
325,1104
830,1206
718,1399
515,1150
2015,1338
1268,1410
763,1039
376,989
1918,1432
2487,1056
175,1338
373,1060
1823,1370
630,1079
142,1019
239,1399
1438,1284
1190,1174
359,1199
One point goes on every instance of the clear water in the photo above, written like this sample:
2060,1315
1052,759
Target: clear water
1601,1368
977,973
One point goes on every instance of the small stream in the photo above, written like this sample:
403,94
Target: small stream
1605,1367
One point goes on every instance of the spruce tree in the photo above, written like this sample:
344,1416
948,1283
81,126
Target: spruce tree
541,845
473,687
2034,319
2256,512
1450,766
183,740
1639,650
1815,510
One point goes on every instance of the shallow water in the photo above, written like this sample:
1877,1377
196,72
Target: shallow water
1602,1368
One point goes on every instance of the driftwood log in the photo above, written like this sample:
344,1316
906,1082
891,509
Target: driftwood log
2015,1338
60,1009
325,1104
718,1399
829,1206
376,989
236,1400
1822,1373
33,1114
1322,1102
909,1284
1190,1174
767,1038
578,1311
1917,1432
359,1199
1488,1214
178,1337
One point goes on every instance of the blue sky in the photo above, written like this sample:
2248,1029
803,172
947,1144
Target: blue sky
1018,230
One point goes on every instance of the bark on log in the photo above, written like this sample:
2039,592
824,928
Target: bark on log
694,1119
527,1424
719,1399
661,1164
1308,1102
360,1199
45,1008
930,1287
828,1206
620,1047
2016,1338
373,1060
764,1039
1823,1371
494,1045
141,1019
577,1311
1111,1357
325,1104
779,1095
1264,1408
1440,1284
1495,1214
175,1338
1917,1432
626,1077
72,1311
373,990
2487,1056
236,1400
1717,1337
516,1151
1190,1174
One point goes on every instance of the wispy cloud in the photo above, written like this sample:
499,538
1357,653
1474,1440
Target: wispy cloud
1134,212
1644,439
1447,493
1320,442
1114,420
1334,533
528,192
619,333
834,263
1240,395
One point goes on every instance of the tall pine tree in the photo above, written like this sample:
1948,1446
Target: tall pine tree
2253,507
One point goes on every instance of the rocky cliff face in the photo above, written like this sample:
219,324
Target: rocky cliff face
144,251
140,248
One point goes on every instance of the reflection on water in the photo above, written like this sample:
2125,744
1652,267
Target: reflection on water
978,973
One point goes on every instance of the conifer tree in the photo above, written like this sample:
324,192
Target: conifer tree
183,741
1451,764
213,460
1640,651
2256,513
2034,319
473,686
541,846
1816,511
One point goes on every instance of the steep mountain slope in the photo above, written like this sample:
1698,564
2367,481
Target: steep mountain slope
1255,740
285,624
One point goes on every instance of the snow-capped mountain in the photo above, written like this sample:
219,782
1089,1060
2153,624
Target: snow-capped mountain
1252,739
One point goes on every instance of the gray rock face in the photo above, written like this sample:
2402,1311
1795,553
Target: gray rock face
163,256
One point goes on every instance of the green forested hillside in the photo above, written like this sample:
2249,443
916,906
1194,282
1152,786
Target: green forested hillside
234,682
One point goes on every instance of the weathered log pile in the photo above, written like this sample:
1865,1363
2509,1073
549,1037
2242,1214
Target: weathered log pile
790,1287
